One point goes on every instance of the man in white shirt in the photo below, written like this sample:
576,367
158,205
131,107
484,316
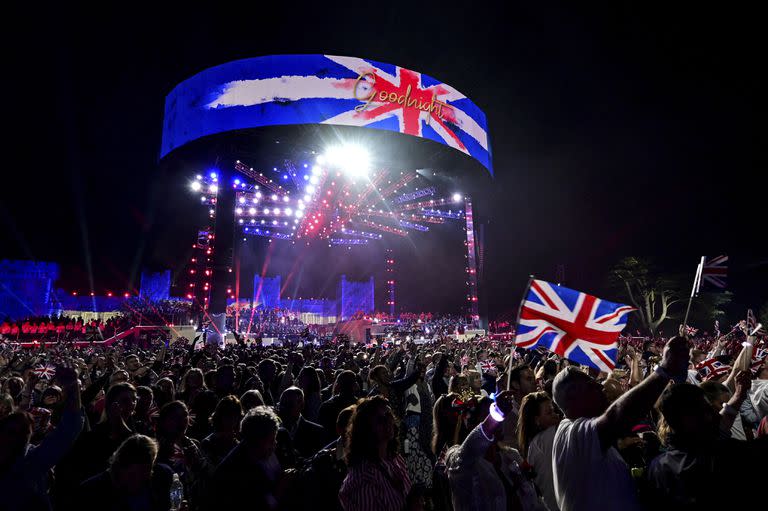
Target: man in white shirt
588,471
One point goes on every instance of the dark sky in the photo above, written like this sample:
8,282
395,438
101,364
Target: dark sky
617,129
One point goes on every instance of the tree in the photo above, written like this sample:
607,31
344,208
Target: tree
652,294
660,297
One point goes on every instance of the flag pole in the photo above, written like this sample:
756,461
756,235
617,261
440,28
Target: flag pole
694,290
517,322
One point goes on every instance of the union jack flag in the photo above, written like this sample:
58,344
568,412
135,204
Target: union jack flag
488,366
324,89
575,325
712,368
690,331
715,270
45,371
759,354
752,324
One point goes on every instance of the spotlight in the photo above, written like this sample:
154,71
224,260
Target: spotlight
266,211
274,197
276,211
288,211
213,188
195,185
286,198
457,197
252,211
241,200
352,159
239,211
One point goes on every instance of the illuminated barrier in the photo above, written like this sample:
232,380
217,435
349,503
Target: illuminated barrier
411,225
418,194
362,234
431,203
349,241
382,227
442,214
268,233
84,344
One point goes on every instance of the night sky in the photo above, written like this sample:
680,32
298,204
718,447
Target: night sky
616,130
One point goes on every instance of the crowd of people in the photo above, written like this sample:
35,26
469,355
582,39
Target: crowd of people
267,321
47,329
442,425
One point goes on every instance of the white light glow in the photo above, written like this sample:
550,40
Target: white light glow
314,180
276,211
266,211
457,197
274,196
258,195
288,211
239,211
299,214
213,188
310,189
286,198
350,158
195,185
241,200
252,211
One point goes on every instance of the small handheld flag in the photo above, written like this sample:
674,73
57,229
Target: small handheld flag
575,325
45,371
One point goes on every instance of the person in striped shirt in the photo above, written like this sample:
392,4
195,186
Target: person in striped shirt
377,479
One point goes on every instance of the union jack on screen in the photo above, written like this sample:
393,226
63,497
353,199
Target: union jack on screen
324,89
575,325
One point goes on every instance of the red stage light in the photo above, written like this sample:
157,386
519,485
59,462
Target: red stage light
74,293
109,294
127,295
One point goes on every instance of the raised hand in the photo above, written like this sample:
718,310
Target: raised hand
66,373
743,384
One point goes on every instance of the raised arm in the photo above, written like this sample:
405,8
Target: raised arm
742,363
742,383
632,406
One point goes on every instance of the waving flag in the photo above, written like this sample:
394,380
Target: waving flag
715,270
45,371
712,368
575,325
323,89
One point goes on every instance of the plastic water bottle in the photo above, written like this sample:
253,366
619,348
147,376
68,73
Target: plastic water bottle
177,493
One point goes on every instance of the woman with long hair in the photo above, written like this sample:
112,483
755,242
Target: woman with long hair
377,479
536,427
191,383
